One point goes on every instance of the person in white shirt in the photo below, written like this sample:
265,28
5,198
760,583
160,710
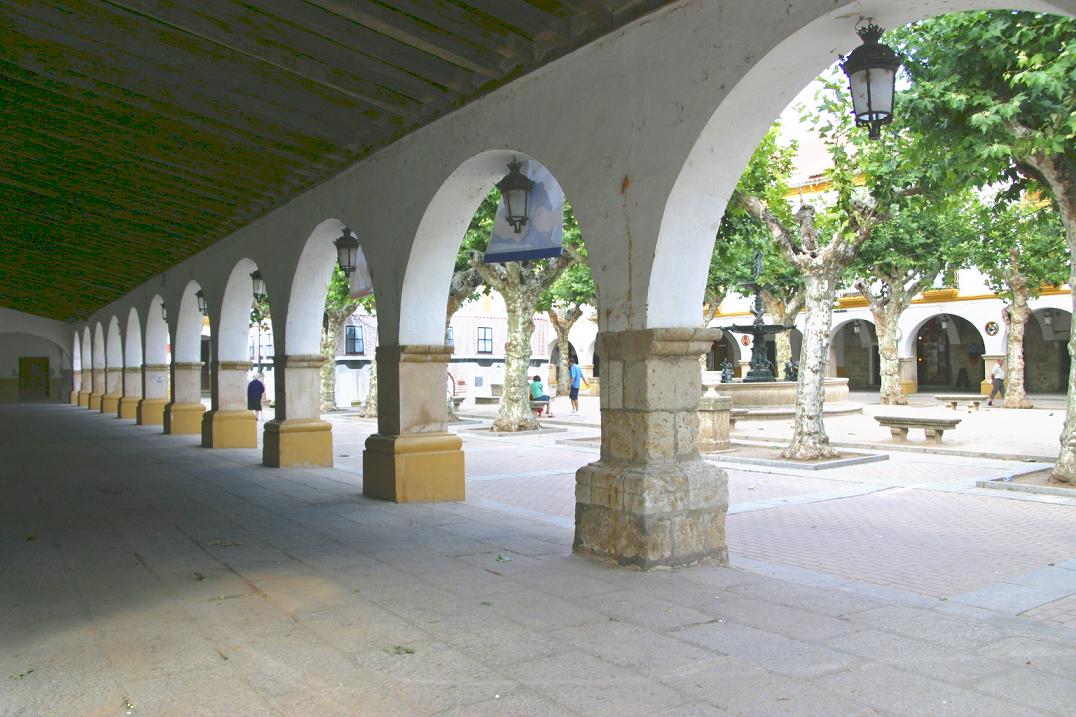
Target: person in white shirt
997,376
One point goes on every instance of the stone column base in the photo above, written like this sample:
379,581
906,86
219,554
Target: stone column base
297,443
648,516
714,414
183,419
110,403
95,401
908,386
229,429
985,387
128,407
84,399
74,398
150,411
413,467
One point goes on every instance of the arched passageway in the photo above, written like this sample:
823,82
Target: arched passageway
948,354
76,368
99,365
132,367
110,402
1046,355
854,354
156,367
183,414
86,382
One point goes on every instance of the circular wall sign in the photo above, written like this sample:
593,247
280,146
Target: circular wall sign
745,340
992,328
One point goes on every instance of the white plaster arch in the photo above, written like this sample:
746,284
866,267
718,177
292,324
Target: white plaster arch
232,327
839,326
113,344
87,347
907,341
155,345
309,287
76,355
99,346
444,222
741,116
187,346
132,347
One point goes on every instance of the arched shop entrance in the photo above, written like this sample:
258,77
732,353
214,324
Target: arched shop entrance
948,354
854,355
1046,356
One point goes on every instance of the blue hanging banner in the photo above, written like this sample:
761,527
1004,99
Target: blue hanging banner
543,234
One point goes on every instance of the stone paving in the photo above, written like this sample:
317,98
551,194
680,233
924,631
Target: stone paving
142,574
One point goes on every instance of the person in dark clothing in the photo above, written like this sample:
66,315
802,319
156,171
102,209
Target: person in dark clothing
255,391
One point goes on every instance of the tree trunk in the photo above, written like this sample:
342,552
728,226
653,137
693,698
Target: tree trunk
1060,175
563,327
515,412
329,337
809,439
1016,316
370,409
886,321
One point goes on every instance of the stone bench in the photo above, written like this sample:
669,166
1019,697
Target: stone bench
953,400
457,401
486,400
736,414
933,428
539,406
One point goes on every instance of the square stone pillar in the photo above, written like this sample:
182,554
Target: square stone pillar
413,457
909,375
651,500
714,413
85,388
110,402
987,384
132,393
229,424
183,415
297,437
98,391
150,411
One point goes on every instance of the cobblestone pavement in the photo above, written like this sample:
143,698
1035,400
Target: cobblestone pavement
142,574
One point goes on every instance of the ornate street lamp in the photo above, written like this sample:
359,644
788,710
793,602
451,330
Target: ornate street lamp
347,250
516,187
855,327
259,284
872,73
944,321
203,309
164,313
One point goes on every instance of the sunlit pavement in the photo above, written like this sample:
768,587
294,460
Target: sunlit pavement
142,569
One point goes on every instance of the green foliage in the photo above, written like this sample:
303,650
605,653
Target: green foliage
259,313
338,300
740,234
1012,237
990,89
576,285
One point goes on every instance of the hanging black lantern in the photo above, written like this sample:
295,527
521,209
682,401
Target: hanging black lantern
347,250
164,313
259,284
872,74
515,188
203,309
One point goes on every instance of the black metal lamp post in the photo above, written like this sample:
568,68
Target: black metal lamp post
347,250
872,73
259,284
164,313
203,308
516,187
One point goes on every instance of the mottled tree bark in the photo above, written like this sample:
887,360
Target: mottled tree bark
1016,315
562,325
821,267
886,307
329,336
1058,172
370,409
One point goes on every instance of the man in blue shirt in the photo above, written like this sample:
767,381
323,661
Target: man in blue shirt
575,378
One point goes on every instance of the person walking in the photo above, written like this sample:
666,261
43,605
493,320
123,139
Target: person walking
997,377
576,378
255,391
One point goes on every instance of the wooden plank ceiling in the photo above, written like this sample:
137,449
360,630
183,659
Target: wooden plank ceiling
134,133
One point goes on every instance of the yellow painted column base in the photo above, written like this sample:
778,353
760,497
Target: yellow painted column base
128,407
909,386
229,429
150,411
183,419
95,401
985,387
110,403
74,398
298,443
84,399
414,467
